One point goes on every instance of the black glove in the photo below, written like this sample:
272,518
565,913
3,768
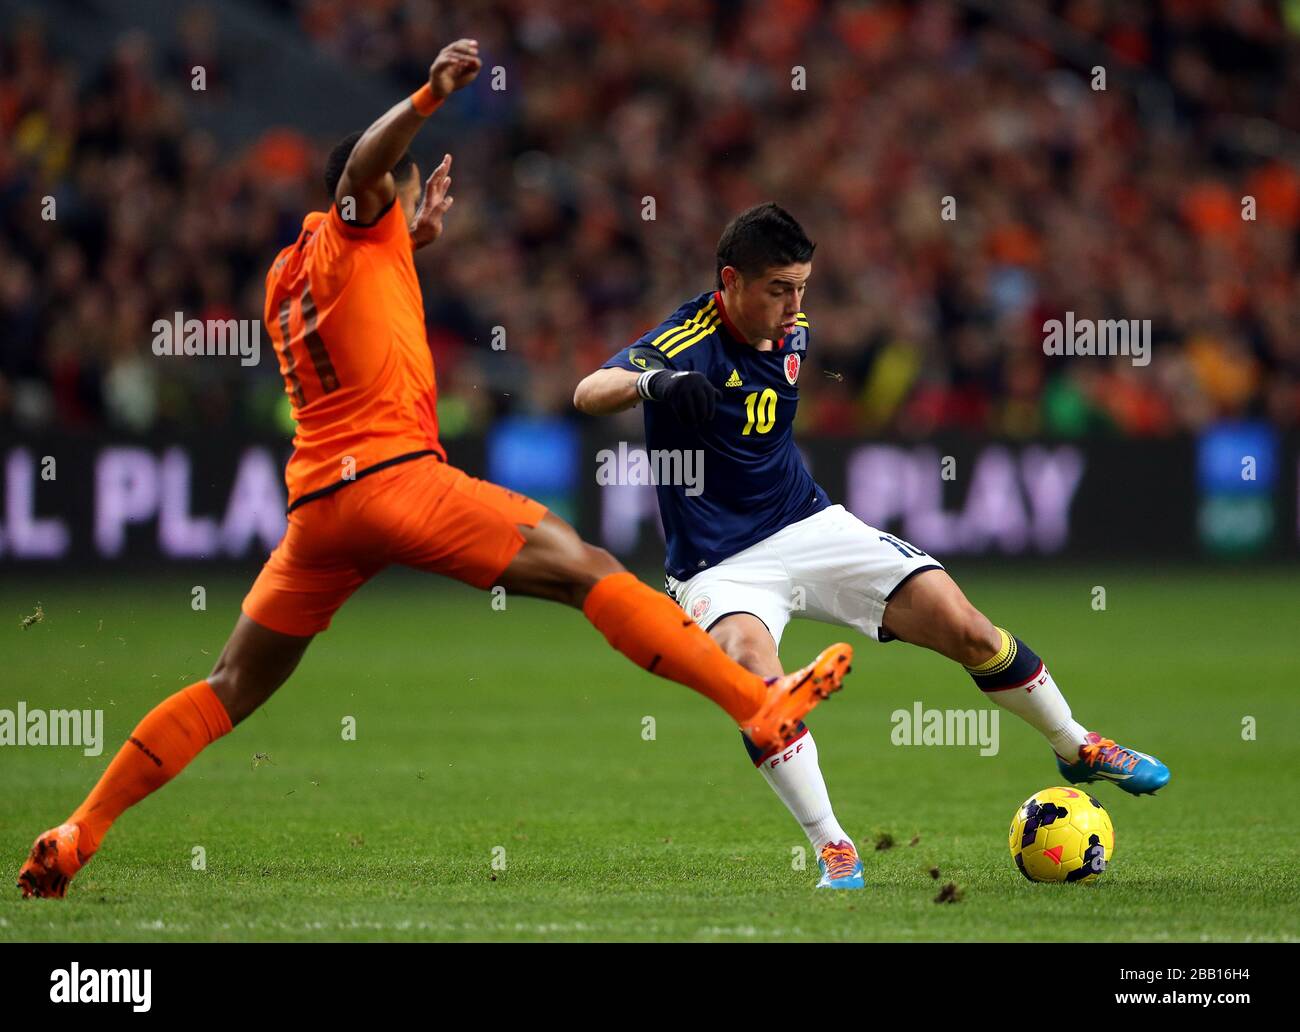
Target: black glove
690,395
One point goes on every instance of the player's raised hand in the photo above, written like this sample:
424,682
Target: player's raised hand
457,66
426,227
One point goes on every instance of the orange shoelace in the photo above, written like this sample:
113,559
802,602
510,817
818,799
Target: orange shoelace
840,858
1106,751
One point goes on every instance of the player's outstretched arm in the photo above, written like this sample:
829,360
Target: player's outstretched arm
366,178
607,391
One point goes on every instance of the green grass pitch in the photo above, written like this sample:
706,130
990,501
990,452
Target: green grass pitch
518,734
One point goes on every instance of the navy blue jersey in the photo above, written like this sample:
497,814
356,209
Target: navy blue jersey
754,481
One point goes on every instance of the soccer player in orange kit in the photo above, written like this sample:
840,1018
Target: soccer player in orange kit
369,485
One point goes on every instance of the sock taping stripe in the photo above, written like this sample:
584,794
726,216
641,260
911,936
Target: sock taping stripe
1019,684
1000,660
1015,666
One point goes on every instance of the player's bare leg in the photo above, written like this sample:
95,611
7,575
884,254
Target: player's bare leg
930,610
793,771
652,631
254,663
746,639
556,564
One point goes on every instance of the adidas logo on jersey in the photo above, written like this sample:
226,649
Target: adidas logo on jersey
734,380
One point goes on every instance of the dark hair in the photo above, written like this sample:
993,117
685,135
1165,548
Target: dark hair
764,236
338,161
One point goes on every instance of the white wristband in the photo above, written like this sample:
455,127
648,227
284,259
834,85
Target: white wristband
643,383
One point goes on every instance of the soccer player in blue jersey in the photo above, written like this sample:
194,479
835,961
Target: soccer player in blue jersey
761,542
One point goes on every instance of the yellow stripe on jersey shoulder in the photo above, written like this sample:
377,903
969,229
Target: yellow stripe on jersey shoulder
801,320
673,334
714,322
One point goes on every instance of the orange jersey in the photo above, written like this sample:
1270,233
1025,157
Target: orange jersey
344,311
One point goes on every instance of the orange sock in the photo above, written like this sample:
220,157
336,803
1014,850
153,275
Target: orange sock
162,744
652,631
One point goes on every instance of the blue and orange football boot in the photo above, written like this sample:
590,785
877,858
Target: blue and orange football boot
789,698
841,867
53,861
1100,759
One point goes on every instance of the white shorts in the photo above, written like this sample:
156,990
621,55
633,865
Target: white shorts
830,567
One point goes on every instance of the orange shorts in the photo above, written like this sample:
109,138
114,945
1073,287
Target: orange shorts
421,513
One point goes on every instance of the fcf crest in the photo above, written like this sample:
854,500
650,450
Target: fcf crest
700,607
792,367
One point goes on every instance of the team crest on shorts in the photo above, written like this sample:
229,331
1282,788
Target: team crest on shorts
700,607
792,367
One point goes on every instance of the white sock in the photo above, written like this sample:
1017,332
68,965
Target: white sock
1040,704
796,778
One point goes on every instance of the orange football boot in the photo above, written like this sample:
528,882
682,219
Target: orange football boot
54,859
789,698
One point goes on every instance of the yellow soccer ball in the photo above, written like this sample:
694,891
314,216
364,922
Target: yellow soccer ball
1061,835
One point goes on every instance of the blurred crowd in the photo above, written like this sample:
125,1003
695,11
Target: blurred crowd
962,177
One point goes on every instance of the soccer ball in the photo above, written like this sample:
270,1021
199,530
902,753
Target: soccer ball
1061,835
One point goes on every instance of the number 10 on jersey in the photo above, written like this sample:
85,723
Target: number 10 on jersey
760,409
